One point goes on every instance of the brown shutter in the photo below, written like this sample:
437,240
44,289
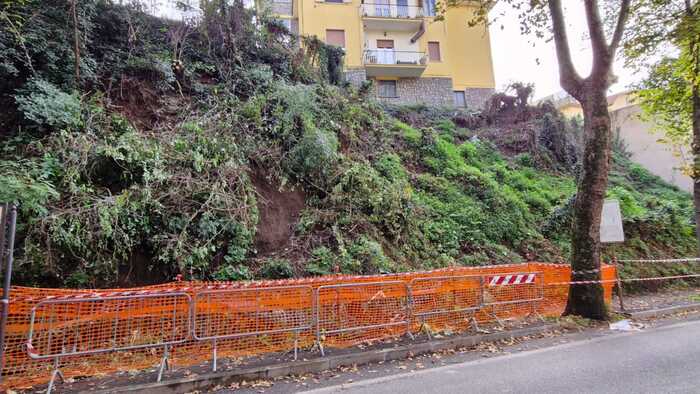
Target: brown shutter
434,51
335,37
385,44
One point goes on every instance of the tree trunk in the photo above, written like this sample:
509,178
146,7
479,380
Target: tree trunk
587,300
696,160
76,42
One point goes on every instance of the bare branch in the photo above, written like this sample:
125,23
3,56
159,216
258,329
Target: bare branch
596,31
569,78
619,27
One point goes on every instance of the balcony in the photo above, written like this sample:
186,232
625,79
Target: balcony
385,16
392,63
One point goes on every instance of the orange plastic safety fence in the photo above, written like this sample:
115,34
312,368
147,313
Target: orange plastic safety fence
96,332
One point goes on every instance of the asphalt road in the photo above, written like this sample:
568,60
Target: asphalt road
659,360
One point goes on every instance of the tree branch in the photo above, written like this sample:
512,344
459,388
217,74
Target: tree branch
619,27
595,30
569,78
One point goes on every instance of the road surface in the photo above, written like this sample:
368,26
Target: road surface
660,360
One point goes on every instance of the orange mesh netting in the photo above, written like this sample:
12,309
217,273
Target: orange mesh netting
96,332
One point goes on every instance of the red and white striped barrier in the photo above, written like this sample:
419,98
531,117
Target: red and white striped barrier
505,280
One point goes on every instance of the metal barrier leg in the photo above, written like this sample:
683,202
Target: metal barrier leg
296,345
475,324
320,344
425,328
495,316
164,363
215,358
55,373
534,312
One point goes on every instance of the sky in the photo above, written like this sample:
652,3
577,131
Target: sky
515,59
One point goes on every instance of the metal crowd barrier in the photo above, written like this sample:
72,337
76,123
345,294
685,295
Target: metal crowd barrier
350,307
440,295
89,325
238,313
516,288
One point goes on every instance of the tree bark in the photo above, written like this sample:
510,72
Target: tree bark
696,160
76,42
588,300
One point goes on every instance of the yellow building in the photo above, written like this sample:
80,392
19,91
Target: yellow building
399,44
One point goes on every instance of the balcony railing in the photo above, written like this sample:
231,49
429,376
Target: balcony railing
390,56
391,11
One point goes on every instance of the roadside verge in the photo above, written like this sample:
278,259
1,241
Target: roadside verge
206,381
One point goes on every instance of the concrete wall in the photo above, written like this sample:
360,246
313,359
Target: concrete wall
664,160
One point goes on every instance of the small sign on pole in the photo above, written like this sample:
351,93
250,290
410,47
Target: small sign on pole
611,230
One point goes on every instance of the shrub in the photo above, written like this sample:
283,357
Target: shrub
369,256
322,261
46,106
312,158
410,134
275,268
233,272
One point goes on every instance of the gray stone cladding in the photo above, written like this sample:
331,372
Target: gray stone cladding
429,91
475,98
356,76
282,7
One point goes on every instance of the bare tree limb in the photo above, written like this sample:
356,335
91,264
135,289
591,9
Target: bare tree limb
619,27
601,55
568,76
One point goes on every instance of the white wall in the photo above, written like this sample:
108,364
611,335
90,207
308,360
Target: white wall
642,140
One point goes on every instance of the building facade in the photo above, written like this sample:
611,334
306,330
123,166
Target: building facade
412,56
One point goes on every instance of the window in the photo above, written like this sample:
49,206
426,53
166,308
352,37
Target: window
434,51
335,37
385,44
334,1
386,89
460,100
285,22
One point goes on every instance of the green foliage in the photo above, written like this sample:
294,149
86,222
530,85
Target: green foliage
44,105
233,272
410,134
322,261
276,269
369,257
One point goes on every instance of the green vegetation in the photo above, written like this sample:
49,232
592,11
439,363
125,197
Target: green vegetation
153,171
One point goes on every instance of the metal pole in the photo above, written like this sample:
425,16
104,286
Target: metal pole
8,273
619,283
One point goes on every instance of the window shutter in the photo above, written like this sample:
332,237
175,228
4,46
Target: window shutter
460,99
434,51
335,37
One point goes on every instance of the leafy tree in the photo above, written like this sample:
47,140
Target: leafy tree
670,95
545,19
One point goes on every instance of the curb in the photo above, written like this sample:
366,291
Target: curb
203,382
664,311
